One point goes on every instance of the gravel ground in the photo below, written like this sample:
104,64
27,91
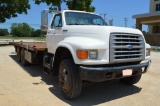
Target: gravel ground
29,86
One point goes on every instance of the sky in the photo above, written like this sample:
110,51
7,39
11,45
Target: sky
115,9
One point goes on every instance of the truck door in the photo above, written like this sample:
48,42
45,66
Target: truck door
54,35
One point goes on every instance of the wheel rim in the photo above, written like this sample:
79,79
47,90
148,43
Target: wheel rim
64,80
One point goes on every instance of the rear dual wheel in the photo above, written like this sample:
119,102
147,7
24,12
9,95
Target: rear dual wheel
23,60
19,54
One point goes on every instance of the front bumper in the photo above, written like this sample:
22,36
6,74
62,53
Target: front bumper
99,74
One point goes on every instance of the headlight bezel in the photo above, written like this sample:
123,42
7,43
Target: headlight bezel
93,54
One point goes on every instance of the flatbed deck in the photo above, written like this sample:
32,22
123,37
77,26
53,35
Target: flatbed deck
32,46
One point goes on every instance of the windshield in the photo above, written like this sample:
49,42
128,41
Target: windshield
77,18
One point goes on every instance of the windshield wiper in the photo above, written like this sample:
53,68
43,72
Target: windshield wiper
86,24
79,24
100,24
73,24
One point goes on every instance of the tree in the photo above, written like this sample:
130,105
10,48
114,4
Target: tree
50,3
21,29
4,32
32,31
11,8
14,29
38,33
26,30
72,4
83,5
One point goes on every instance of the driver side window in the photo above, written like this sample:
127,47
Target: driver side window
57,21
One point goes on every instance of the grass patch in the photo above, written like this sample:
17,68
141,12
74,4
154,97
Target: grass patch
41,38
155,50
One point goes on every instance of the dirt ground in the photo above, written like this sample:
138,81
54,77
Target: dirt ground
29,86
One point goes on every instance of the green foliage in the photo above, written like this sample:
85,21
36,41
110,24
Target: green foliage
11,8
32,31
50,3
38,33
4,32
21,30
24,30
72,4
156,50
83,5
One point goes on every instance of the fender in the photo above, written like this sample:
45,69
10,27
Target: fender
82,43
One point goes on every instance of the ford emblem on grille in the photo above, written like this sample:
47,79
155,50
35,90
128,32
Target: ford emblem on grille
130,46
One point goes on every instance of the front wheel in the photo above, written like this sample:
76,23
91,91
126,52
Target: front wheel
69,79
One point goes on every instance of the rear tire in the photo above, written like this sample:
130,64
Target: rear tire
19,54
131,80
69,79
23,61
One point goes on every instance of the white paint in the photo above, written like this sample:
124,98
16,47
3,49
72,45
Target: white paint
84,37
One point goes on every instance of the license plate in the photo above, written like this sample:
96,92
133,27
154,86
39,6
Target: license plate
127,72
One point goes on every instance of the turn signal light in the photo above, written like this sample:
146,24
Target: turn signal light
81,54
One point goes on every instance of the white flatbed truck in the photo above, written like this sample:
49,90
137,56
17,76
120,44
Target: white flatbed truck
81,46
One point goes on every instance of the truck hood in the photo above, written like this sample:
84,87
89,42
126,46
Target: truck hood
100,30
93,37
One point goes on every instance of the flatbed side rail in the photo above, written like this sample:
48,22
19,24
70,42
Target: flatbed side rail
32,46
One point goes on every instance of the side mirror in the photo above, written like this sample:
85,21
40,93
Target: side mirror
44,20
44,17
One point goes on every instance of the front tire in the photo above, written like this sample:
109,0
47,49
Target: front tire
131,80
69,79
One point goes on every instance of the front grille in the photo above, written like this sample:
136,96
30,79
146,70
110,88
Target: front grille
126,47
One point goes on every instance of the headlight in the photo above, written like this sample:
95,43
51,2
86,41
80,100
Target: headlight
148,52
93,54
